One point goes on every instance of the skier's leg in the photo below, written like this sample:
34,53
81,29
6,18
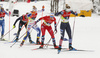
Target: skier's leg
49,29
18,33
2,33
38,34
43,29
24,38
0,30
27,34
30,40
62,31
68,29
3,25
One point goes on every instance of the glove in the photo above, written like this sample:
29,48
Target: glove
43,8
13,26
9,13
76,14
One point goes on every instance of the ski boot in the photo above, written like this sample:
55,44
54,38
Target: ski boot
56,47
21,43
38,42
2,39
41,47
72,49
31,41
59,49
16,40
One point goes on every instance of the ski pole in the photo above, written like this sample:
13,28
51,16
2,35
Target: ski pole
21,36
9,26
7,32
21,29
49,40
73,27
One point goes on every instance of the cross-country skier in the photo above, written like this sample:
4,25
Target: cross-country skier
47,26
23,21
31,24
65,14
2,20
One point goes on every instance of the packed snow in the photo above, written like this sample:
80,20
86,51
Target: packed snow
86,36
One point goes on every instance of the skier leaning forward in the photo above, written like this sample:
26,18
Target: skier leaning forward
65,14
30,25
23,21
47,26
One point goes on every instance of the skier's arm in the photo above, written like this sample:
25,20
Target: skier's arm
6,13
55,24
40,19
29,15
74,13
41,9
58,13
17,20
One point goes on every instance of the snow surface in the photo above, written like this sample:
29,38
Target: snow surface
86,36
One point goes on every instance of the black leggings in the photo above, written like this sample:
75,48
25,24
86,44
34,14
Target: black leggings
20,27
63,27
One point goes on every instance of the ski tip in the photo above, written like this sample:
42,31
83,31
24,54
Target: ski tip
59,51
34,49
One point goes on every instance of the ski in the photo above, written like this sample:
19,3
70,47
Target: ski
42,49
38,49
77,50
39,44
12,42
67,49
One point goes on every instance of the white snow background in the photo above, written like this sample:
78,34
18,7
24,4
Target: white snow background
86,36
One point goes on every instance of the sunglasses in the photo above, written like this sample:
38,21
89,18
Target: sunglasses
68,7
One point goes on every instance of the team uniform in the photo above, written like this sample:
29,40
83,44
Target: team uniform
2,20
30,25
23,21
65,26
47,26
